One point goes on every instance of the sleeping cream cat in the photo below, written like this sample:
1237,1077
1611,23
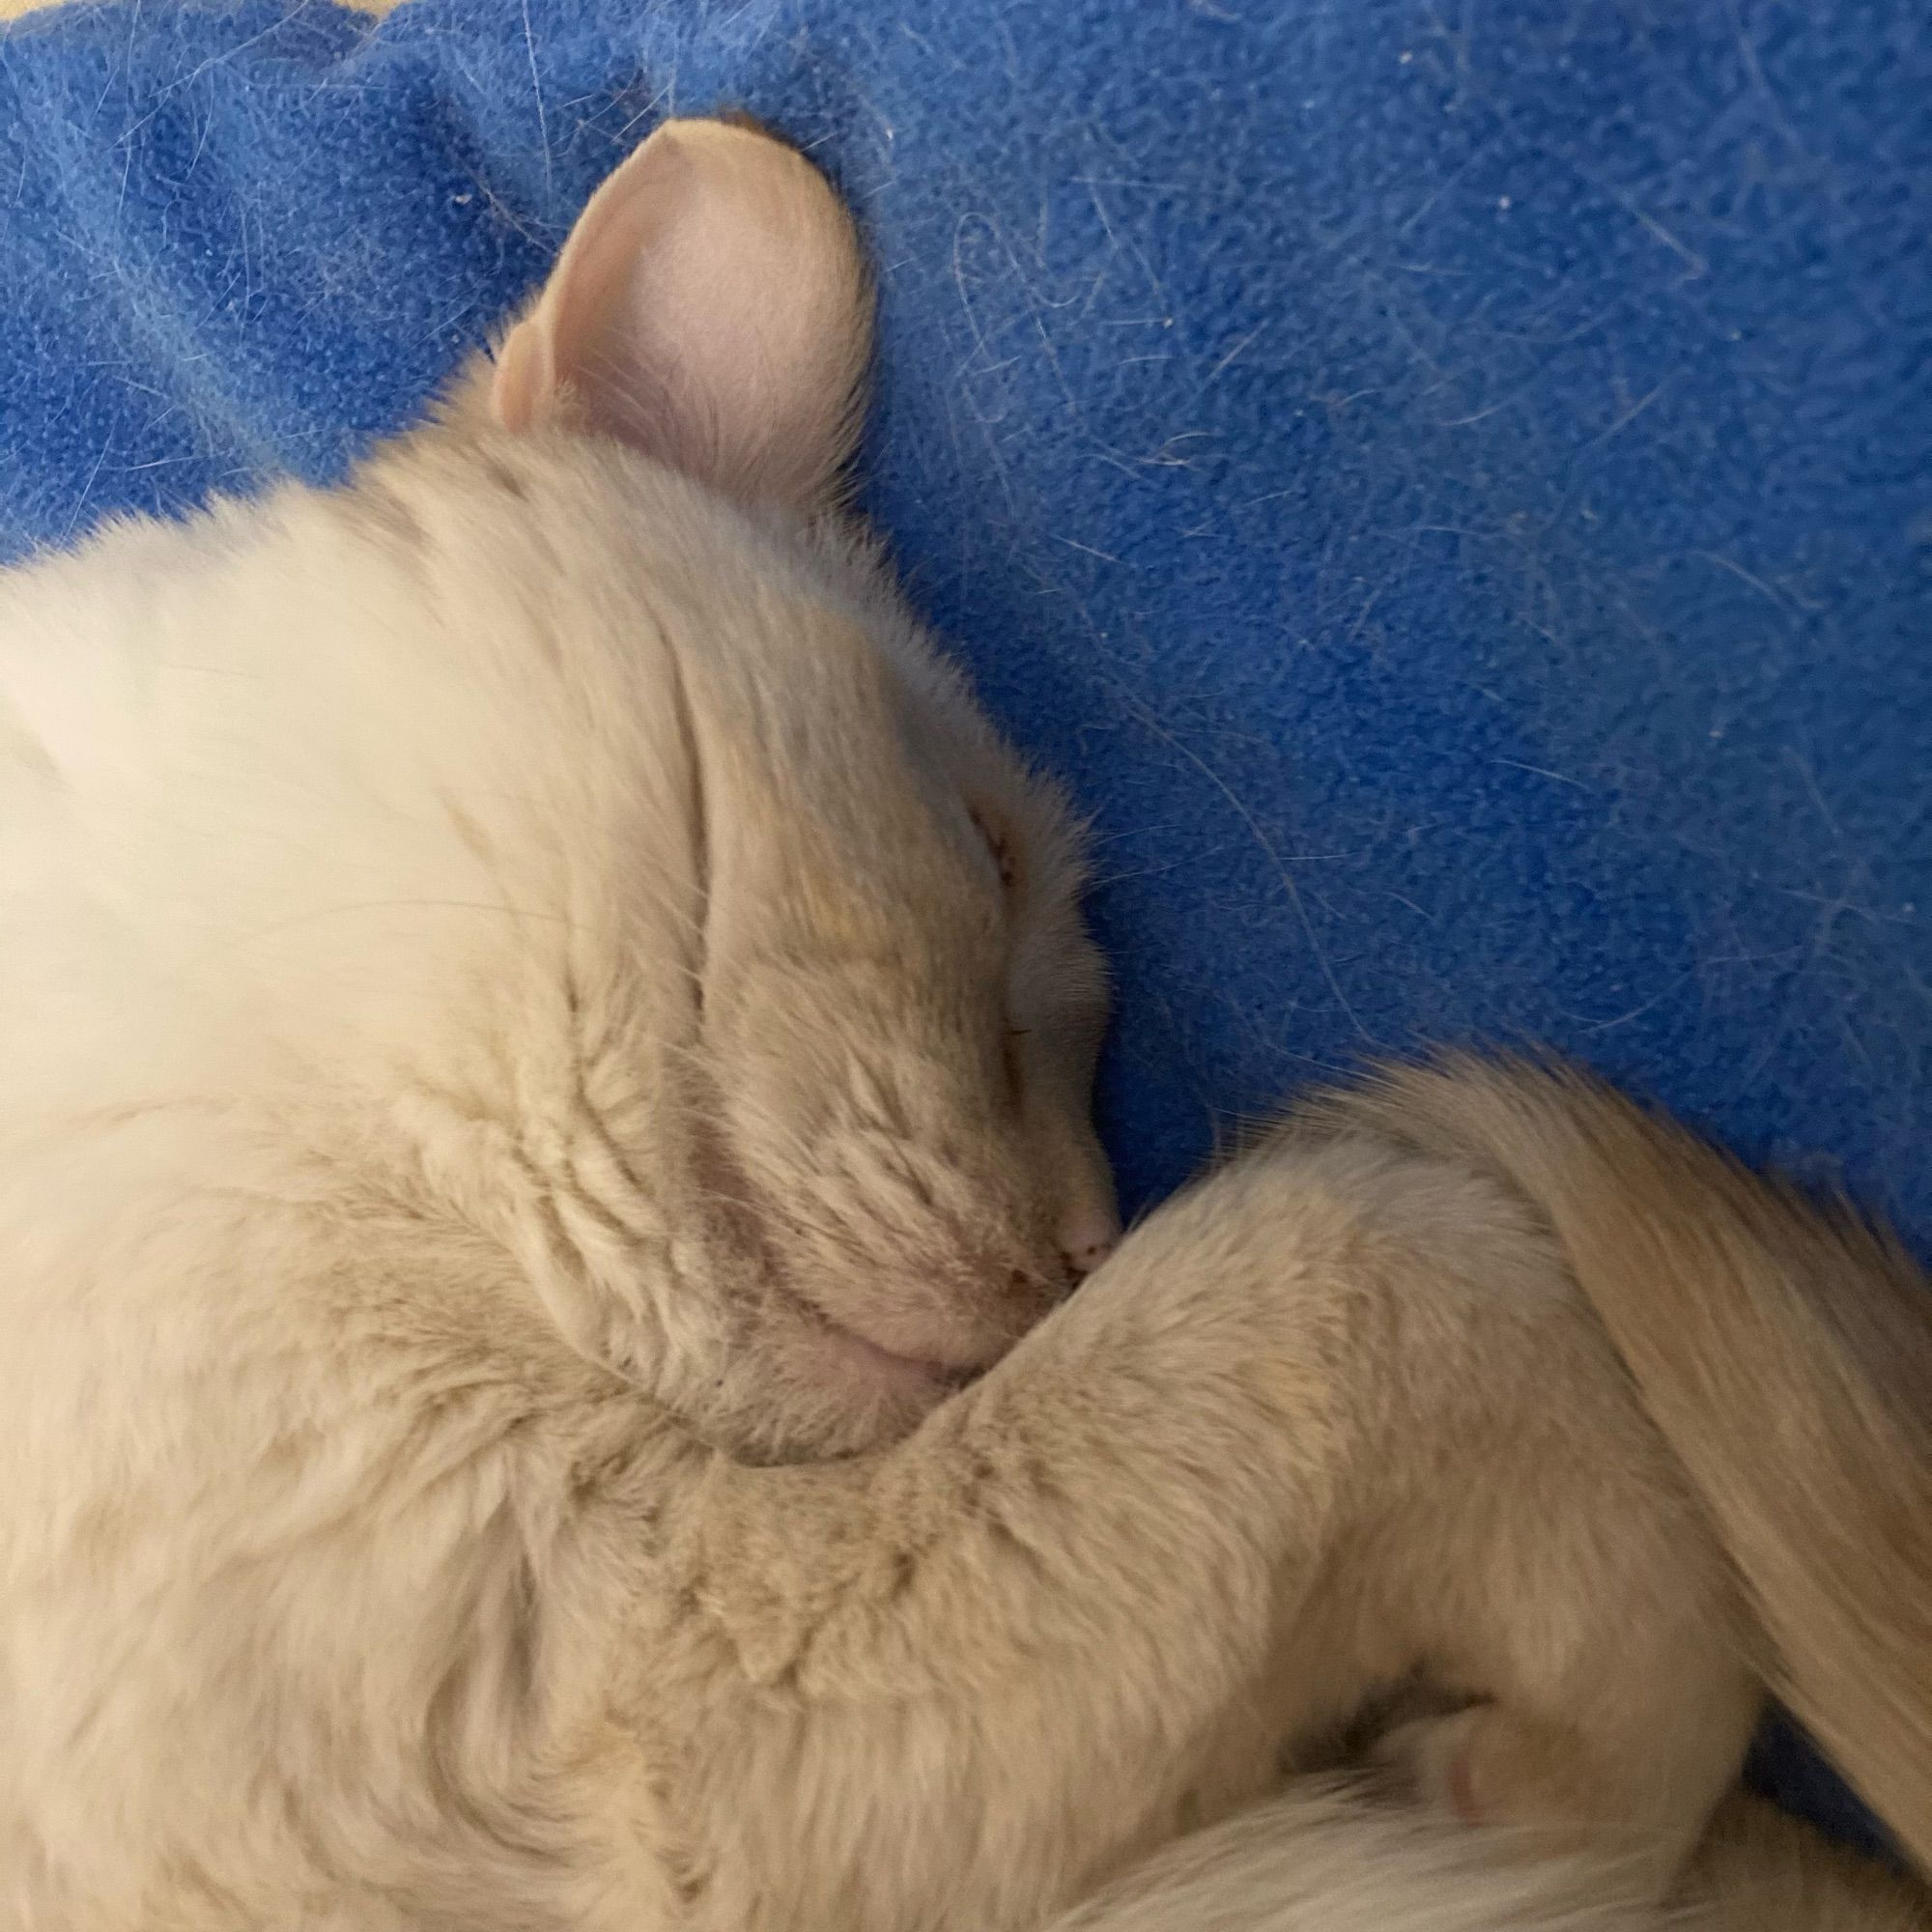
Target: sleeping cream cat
544,1055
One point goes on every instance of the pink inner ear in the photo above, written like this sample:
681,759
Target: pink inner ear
710,308
526,377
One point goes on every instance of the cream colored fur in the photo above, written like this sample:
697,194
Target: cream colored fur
529,997
1314,1861
536,933
1785,1352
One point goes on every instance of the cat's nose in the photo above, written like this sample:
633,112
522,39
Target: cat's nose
1085,1242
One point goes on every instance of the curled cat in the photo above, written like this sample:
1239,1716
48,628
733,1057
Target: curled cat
565,826
550,897
545,1040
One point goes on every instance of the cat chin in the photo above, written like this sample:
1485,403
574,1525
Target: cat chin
854,1356
839,1360
832,1392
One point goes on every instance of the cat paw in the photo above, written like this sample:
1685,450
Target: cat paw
1430,1760
1488,1765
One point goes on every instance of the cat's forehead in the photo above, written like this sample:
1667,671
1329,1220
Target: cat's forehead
812,692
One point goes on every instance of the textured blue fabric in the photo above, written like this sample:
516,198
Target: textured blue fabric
1447,479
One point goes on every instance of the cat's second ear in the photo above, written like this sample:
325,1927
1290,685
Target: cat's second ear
711,307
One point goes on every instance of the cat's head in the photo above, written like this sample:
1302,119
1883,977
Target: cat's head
887,1171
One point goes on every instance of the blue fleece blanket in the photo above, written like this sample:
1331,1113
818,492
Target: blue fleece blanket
1449,480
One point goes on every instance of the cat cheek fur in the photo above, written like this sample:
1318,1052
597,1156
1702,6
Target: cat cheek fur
871,1124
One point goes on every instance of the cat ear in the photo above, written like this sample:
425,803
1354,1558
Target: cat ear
710,308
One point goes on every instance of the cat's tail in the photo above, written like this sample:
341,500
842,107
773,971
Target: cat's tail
1783,1351
1314,1861
1318,1861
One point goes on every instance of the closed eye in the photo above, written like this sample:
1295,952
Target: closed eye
1010,1049
998,845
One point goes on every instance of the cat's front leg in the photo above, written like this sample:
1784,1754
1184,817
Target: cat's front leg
949,1684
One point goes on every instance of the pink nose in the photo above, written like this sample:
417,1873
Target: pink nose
1087,1241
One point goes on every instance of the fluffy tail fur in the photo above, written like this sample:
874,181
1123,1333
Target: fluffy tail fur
1784,1351
1312,1860
1315,1861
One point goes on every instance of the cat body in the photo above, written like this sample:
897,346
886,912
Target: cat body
545,1040
358,1602
529,943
